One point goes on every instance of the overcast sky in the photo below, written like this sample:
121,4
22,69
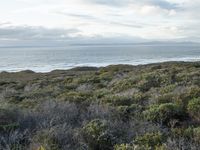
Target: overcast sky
57,21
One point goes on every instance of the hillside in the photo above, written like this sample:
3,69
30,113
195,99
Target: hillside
122,107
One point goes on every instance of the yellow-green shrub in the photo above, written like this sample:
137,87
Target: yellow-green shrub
194,108
97,135
150,140
124,147
164,113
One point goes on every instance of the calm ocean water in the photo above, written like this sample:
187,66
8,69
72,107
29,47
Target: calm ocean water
47,59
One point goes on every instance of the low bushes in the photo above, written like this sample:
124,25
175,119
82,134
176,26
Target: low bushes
164,113
165,98
194,108
76,97
125,84
123,100
46,139
192,134
124,147
97,135
129,112
150,140
8,120
149,81
118,100
148,107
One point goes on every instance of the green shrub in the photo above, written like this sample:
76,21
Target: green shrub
28,103
150,140
71,86
68,80
167,89
164,113
186,95
139,147
194,108
94,79
76,97
177,132
193,134
15,99
9,127
8,120
124,147
196,136
46,139
140,97
148,81
101,93
83,79
118,100
106,76
97,135
125,84
165,98
194,92
128,112
116,68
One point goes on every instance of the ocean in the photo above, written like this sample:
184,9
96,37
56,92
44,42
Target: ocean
45,59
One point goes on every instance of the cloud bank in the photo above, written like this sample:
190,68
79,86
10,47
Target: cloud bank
45,21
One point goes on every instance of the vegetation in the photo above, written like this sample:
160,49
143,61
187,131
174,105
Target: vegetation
122,107
194,108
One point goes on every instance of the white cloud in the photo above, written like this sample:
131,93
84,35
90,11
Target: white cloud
150,19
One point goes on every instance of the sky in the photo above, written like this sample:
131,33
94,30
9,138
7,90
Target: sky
54,22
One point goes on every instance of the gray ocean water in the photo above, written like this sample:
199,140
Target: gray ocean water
44,59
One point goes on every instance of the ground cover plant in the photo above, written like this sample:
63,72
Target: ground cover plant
121,107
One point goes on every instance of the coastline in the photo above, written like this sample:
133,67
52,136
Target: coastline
40,70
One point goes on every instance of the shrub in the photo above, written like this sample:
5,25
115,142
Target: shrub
97,135
28,103
192,134
101,93
14,140
150,140
191,92
167,89
125,84
76,97
15,99
139,97
194,108
128,112
194,92
46,139
196,136
8,120
164,113
52,113
106,76
180,144
165,98
124,147
118,100
149,81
